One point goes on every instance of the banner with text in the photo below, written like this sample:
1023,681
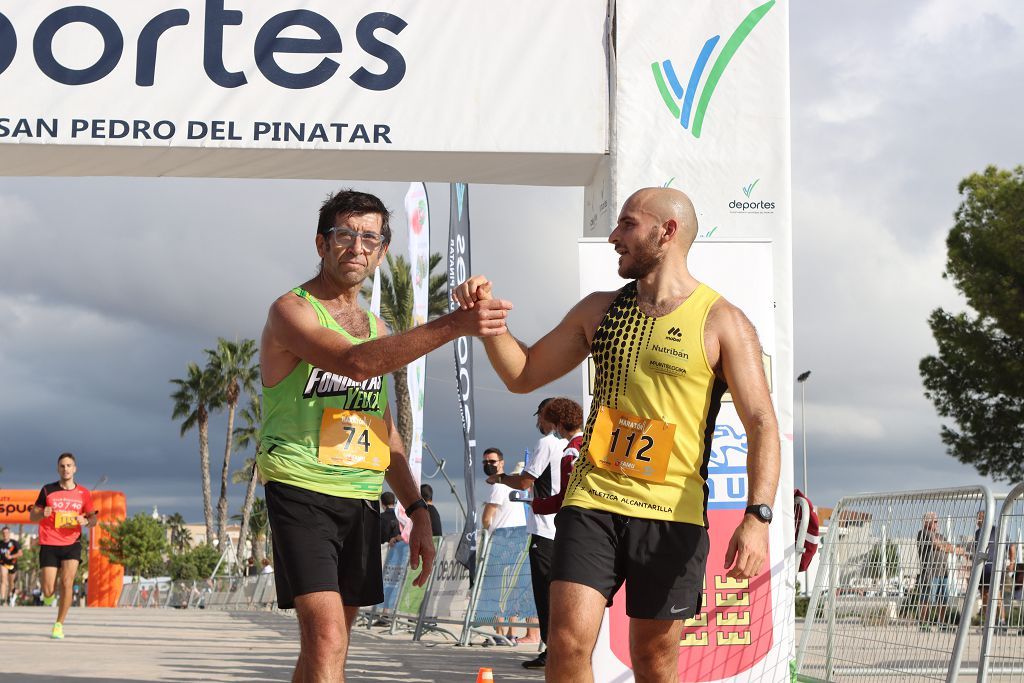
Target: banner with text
418,213
458,271
170,80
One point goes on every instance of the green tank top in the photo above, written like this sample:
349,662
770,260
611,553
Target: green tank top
292,413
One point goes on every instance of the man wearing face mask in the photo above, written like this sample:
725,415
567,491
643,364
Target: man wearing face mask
500,511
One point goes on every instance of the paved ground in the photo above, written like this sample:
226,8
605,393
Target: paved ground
122,645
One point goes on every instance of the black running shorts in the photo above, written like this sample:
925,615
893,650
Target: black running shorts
324,543
53,555
662,563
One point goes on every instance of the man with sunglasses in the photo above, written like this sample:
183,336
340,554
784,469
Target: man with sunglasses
328,440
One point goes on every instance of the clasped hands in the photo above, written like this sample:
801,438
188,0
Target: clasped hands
479,313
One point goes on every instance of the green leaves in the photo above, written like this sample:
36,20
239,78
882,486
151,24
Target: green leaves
977,378
138,544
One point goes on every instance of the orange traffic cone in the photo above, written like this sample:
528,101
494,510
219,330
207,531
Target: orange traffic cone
485,675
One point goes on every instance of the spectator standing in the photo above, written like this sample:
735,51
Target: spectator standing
500,511
427,494
10,551
390,529
543,474
933,581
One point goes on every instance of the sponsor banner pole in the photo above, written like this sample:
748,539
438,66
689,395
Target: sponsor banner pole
418,211
458,271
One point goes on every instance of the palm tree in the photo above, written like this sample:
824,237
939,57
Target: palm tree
181,537
259,527
396,310
195,397
246,436
232,364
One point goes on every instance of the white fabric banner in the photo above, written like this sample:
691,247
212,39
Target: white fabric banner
418,213
375,293
151,88
702,105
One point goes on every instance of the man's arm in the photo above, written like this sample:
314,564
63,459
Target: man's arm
524,368
521,481
490,509
292,327
740,362
39,510
399,478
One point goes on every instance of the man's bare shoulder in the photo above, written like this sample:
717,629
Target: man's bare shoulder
724,317
590,311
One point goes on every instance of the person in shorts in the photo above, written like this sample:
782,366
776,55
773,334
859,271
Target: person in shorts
328,440
62,509
10,551
665,349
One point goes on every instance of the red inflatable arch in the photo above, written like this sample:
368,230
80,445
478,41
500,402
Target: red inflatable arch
105,579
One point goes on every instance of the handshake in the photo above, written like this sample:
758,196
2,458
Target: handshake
479,314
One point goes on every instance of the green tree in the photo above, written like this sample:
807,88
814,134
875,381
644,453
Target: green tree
247,436
396,287
872,567
977,378
196,563
259,527
137,543
180,536
197,394
233,364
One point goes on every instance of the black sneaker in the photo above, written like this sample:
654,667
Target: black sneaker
538,663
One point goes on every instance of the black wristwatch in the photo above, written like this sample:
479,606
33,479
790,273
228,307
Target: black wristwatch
762,512
417,504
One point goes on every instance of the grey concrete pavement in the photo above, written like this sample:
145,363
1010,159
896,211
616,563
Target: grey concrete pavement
121,645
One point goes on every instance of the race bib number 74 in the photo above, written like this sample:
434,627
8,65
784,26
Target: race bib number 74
636,446
354,439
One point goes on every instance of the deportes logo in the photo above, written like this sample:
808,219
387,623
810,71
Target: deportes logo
679,100
741,206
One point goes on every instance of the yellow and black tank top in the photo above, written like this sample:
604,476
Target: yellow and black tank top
647,441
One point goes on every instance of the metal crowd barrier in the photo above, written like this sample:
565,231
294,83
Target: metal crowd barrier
887,606
227,592
503,591
448,596
501,595
1002,592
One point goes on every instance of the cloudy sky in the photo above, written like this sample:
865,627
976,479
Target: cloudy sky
109,286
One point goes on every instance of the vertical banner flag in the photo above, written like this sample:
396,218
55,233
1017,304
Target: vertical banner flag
702,105
417,210
375,293
458,271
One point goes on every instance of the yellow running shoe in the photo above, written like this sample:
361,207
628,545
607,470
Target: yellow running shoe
48,601
58,631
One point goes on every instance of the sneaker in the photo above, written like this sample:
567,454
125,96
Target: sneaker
50,600
539,663
58,631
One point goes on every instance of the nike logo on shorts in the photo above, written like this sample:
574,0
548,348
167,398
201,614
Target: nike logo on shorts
673,609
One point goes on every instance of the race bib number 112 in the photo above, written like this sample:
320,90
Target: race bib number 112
636,446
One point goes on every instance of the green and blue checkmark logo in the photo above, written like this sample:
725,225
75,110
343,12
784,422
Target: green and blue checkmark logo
679,100
747,189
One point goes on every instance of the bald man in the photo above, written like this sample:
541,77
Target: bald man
665,347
